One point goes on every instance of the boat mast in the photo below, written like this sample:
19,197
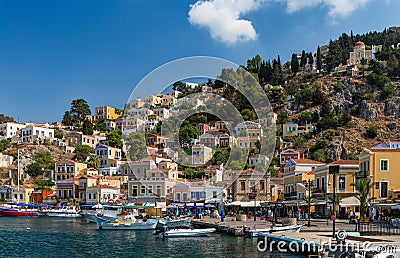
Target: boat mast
18,177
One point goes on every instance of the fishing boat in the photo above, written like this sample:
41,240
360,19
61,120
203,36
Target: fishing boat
18,210
273,229
188,232
66,211
174,223
126,222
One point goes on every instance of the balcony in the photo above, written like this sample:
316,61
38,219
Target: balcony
291,195
362,174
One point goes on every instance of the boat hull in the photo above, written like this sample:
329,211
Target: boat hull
16,213
188,232
255,232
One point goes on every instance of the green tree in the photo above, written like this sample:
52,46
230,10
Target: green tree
363,187
34,169
310,59
136,145
114,139
5,119
339,86
3,144
393,66
248,115
58,133
187,132
221,156
44,158
306,117
77,114
83,152
87,127
93,161
303,59
319,59
372,131
43,184
294,64
387,91
319,155
292,88
100,125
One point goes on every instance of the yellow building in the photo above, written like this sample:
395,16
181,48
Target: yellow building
106,112
323,187
380,164
201,154
296,172
23,195
68,169
101,193
155,186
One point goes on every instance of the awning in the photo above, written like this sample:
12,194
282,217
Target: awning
295,203
395,207
247,204
235,203
349,201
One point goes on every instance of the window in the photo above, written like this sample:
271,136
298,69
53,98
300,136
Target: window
142,189
317,183
134,190
90,196
262,185
384,165
243,186
214,194
342,182
150,189
323,183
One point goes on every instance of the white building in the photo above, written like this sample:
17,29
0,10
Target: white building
5,160
35,133
10,129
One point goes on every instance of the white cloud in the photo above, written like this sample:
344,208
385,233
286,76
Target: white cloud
222,18
336,7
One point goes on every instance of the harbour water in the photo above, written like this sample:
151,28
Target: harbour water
69,237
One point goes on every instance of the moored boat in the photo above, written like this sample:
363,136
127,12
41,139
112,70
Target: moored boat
188,232
174,223
126,222
291,228
18,210
107,212
66,211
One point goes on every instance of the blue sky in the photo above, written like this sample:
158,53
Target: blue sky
52,52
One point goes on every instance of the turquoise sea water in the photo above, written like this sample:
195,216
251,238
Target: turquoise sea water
68,237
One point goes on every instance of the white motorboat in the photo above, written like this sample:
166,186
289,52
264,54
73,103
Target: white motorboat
107,212
274,229
188,232
67,211
174,223
126,222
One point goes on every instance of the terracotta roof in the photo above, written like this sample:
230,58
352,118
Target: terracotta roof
345,162
385,150
307,161
360,43
103,186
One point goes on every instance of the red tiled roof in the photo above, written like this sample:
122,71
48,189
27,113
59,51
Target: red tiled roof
307,161
385,150
345,162
103,186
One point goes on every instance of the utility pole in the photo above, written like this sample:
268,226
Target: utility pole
18,176
334,170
